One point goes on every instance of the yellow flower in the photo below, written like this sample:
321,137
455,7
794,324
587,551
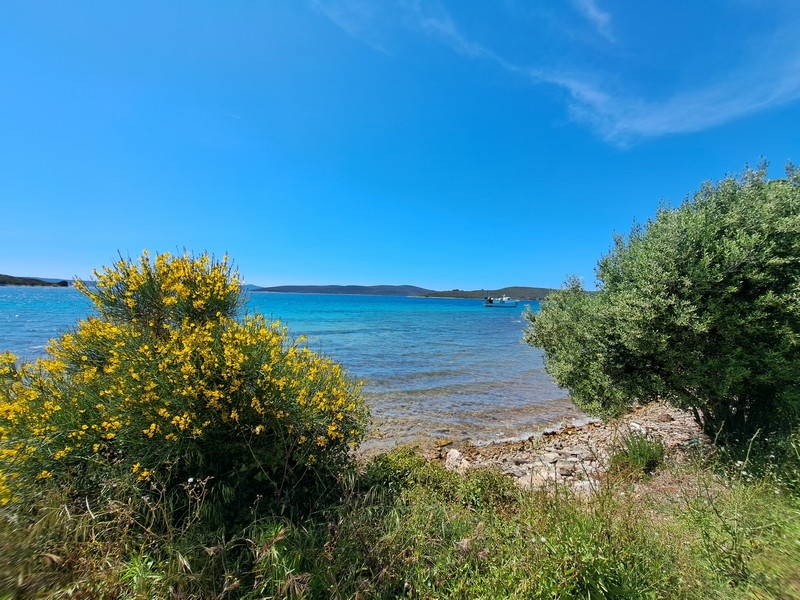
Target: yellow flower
161,371
62,453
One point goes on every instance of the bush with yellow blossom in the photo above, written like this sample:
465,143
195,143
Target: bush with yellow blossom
170,385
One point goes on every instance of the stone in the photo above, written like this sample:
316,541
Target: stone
516,471
577,455
636,428
549,457
533,480
565,468
455,461
586,487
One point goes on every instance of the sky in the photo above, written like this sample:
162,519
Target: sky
446,144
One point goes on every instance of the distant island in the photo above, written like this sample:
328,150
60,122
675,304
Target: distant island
11,280
517,292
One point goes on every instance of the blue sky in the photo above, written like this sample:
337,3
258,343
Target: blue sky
462,144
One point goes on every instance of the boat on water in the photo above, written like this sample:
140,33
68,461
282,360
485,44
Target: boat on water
500,301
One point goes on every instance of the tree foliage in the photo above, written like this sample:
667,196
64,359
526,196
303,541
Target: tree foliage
699,307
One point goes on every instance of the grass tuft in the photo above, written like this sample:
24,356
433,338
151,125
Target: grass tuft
637,454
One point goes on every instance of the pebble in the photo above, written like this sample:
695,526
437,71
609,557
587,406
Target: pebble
574,455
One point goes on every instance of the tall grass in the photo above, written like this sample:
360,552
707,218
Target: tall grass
406,528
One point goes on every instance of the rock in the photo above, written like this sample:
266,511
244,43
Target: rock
549,457
565,468
453,458
516,471
534,480
586,487
455,461
581,453
636,428
574,455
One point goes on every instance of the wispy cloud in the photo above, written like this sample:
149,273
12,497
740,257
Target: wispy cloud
599,19
443,27
763,83
617,115
355,17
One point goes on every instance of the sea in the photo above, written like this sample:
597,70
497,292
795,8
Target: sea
432,368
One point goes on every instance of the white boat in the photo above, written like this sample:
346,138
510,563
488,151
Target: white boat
501,301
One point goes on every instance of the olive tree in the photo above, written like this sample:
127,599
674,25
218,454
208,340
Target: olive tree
699,307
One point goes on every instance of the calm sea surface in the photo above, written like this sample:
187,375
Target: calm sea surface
431,367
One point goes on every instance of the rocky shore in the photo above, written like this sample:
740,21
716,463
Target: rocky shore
577,456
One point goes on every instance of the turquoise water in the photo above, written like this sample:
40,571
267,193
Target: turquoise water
431,367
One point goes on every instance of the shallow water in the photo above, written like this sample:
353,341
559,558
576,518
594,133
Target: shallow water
431,367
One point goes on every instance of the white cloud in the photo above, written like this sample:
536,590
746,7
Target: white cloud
762,83
599,19
443,27
767,80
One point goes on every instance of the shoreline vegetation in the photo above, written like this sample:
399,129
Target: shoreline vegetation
168,448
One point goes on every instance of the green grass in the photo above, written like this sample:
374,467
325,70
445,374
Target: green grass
406,528
637,453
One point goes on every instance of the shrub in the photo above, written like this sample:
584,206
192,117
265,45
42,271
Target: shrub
699,307
169,395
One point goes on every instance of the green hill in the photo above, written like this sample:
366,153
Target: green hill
516,292
367,290
11,280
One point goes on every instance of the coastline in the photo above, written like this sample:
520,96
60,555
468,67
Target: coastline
575,455
480,426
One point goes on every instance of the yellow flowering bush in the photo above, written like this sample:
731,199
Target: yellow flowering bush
168,383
